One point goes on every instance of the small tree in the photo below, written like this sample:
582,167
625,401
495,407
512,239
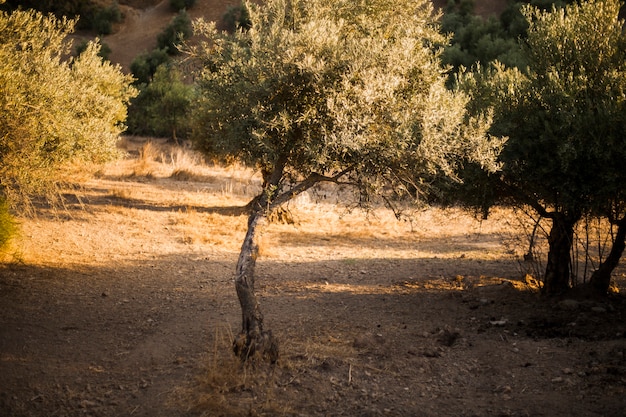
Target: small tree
178,5
53,110
175,33
145,65
565,118
235,17
163,106
325,90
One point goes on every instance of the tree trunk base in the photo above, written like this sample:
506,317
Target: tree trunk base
262,346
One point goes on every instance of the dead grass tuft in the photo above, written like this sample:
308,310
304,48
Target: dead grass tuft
220,390
183,175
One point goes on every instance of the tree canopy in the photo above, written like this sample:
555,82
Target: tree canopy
476,39
53,109
325,90
162,107
329,87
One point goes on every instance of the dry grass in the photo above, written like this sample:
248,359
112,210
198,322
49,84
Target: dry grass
205,196
153,159
202,200
225,378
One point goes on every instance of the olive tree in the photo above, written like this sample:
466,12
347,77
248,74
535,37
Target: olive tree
565,119
325,90
53,109
162,107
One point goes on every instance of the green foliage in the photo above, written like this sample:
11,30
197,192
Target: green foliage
566,117
163,106
317,90
93,16
479,40
236,17
8,227
53,110
145,65
68,8
178,5
101,19
175,33
104,52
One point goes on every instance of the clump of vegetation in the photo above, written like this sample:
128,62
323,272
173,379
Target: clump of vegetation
92,16
178,5
236,17
53,110
145,65
104,52
175,33
163,106
99,19
482,40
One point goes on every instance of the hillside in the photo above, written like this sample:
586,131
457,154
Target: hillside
145,19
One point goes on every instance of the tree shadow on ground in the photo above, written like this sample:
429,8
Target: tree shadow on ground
122,339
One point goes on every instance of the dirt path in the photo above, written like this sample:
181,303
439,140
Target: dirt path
123,305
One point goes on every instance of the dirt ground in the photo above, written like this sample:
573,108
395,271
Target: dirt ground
121,303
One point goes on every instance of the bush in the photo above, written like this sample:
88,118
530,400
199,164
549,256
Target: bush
53,111
163,106
178,30
104,53
145,65
479,40
235,17
178,5
99,19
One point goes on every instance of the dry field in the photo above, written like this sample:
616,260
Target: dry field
121,303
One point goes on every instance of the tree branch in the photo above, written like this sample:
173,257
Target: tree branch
306,184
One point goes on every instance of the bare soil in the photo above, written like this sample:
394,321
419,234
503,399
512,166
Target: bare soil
121,303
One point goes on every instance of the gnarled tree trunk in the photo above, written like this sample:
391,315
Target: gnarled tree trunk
560,240
253,340
601,277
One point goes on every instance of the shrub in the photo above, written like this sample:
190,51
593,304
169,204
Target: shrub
53,111
163,106
104,53
145,65
99,19
178,30
235,17
178,5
